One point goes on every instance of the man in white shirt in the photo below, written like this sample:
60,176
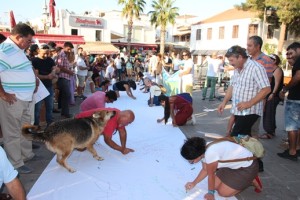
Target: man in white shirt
17,86
118,62
213,68
109,73
82,71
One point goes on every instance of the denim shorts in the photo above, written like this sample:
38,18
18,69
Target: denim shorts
292,115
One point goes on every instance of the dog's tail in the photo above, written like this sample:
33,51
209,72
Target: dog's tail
30,132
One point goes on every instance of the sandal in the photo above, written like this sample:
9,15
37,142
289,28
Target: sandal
4,196
257,184
266,136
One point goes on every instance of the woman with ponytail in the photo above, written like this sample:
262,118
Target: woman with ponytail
179,107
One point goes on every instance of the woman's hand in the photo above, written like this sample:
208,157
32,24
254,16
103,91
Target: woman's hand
189,185
271,96
209,196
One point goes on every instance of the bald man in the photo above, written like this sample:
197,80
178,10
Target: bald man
116,123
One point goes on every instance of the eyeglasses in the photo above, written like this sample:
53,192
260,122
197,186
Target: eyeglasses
191,161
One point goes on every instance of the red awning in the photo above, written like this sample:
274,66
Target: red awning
58,39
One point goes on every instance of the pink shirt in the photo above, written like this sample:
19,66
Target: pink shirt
96,100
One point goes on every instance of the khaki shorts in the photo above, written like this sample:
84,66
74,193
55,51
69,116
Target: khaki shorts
81,80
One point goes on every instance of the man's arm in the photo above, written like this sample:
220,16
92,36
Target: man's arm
16,189
108,140
10,98
227,97
123,139
294,81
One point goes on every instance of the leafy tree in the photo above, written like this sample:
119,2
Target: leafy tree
132,9
286,13
163,13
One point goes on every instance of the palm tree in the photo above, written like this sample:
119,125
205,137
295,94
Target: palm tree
132,8
163,14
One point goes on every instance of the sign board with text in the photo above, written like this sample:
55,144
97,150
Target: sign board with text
86,22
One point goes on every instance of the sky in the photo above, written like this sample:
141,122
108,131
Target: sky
32,9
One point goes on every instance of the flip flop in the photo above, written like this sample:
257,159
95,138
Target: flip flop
266,136
4,196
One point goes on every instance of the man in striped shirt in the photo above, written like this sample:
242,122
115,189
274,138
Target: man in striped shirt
63,82
254,45
248,87
17,85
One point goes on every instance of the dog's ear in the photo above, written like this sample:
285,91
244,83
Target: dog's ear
96,115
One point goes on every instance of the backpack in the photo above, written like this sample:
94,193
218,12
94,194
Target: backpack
250,143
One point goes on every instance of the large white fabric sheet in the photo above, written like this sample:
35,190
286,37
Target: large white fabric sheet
155,170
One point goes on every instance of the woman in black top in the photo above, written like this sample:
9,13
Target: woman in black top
272,99
125,86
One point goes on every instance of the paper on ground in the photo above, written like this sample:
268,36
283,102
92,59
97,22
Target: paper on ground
155,170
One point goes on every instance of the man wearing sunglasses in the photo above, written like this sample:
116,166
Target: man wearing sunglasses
17,86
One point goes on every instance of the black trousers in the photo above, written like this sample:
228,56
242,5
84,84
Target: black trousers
269,117
64,95
243,124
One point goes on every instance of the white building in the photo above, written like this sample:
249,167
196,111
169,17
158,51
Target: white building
231,27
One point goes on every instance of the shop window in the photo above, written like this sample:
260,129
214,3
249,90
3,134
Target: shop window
235,31
74,31
98,36
221,32
198,34
209,33
252,30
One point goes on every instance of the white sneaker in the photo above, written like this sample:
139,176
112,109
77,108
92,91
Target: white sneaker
193,119
189,122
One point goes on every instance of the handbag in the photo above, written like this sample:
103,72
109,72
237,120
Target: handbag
250,143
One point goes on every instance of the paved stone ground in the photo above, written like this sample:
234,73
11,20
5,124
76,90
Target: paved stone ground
281,178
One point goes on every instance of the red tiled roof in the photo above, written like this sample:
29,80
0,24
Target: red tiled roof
231,14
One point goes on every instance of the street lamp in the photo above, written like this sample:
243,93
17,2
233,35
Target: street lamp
267,12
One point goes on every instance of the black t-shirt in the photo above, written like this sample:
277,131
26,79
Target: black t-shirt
294,92
44,66
120,85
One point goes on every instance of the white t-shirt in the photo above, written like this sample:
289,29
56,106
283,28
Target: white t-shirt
213,67
87,89
118,63
188,65
80,63
154,91
227,151
109,72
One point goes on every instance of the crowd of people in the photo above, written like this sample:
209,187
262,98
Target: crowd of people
256,88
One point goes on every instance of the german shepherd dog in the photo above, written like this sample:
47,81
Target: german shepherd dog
62,137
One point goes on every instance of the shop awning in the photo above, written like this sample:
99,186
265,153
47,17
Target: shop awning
58,39
100,48
115,35
135,45
182,33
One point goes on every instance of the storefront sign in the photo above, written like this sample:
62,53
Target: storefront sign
90,22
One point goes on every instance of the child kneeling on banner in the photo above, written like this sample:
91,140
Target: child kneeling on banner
179,107
230,167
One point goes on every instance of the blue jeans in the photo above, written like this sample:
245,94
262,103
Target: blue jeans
292,115
49,107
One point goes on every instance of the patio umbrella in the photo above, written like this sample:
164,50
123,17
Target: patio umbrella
52,12
12,19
